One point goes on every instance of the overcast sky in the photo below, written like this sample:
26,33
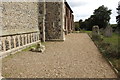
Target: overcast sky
84,8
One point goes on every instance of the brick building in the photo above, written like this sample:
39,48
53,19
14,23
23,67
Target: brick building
26,23
69,23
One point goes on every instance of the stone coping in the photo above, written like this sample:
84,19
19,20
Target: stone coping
18,34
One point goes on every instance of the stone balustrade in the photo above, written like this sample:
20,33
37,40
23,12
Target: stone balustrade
13,41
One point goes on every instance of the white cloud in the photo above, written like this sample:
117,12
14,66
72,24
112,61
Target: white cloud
77,3
84,8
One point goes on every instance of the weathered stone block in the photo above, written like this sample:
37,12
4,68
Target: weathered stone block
95,30
108,31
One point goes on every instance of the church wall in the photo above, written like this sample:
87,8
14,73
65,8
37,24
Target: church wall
19,24
25,23
53,21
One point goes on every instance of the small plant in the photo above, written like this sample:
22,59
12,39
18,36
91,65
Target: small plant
109,50
114,52
105,45
28,48
97,38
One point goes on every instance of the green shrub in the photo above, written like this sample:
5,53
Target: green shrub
77,28
115,52
104,48
111,51
97,38
105,45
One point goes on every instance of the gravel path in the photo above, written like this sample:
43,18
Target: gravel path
76,57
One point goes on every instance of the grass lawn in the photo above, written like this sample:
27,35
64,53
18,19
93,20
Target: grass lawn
113,40
89,32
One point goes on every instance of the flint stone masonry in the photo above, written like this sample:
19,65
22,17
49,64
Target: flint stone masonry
41,20
68,19
19,24
18,17
53,20
24,23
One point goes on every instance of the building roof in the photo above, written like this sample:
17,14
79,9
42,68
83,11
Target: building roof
68,6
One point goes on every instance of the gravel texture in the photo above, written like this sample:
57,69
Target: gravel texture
76,57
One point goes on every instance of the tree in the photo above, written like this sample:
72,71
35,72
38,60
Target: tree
77,27
118,17
101,17
81,24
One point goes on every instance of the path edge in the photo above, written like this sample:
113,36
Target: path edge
108,61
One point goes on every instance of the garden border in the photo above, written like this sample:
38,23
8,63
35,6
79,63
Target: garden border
109,62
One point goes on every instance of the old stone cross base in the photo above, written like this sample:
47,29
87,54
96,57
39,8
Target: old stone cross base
39,48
